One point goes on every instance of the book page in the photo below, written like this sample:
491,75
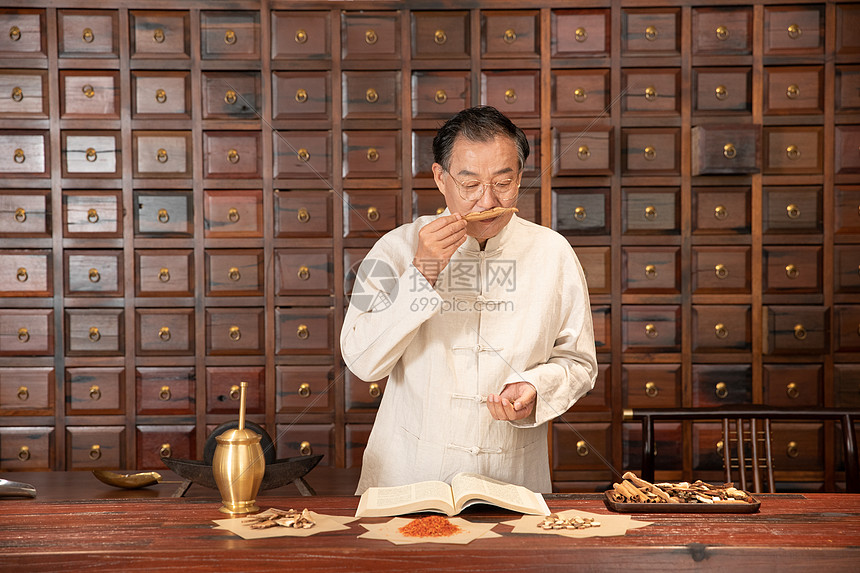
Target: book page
421,496
473,488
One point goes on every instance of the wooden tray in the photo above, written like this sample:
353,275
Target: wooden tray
622,507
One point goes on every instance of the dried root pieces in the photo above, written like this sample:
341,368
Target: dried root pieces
636,490
273,517
554,521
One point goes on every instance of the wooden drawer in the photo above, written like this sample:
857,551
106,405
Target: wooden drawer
371,95
793,90
422,153
26,391
722,328
579,446
439,94
580,33
306,440
847,149
156,442
362,396
707,446
650,210
161,214
24,32
793,30
24,93
93,273
510,34
427,202
301,34
91,154
721,210
515,94
597,266
89,214
88,33
648,32
232,154
368,36
304,389
725,149
230,35
601,319
236,272
304,330
651,385
95,447
529,205
301,95
25,213
26,332
795,330
791,269
792,209
95,391
792,150
223,392
651,270
164,332
232,331
165,390
357,436
651,91
26,273
23,154
668,445
654,151
233,214
582,152
579,92
371,154
653,328
164,272
27,449
89,94
846,385
95,332
303,214
792,385
598,398
722,31
721,270
846,268
162,154
369,214
581,211
720,384
847,89
847,328
847,22
303,155
160,95
797,446
231,95
352,259
440,34
303,272
722,90
162,35
847,207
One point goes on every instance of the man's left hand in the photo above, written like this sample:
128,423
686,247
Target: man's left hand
515,402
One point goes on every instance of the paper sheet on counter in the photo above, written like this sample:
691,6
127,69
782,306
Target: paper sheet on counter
323,524
610,525
388,531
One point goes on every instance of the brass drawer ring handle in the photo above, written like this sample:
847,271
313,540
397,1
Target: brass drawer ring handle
440,37
94,334
94,275
164,393
22,275
95,392
234,333
721,390
23,335
164,334
302,332
651,390
304,390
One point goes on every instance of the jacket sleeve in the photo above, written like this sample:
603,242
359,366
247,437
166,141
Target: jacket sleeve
385,315
570,370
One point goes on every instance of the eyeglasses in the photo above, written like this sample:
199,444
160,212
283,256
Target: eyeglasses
473,189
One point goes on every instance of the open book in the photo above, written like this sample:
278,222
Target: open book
465,490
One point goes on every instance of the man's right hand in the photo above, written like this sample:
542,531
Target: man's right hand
438,240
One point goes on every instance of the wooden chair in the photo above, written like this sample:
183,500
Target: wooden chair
752,443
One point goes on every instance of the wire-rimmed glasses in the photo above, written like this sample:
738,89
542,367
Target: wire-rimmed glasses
473,189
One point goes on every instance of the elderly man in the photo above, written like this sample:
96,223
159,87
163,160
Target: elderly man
482,327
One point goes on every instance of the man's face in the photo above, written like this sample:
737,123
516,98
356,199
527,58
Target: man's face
488,162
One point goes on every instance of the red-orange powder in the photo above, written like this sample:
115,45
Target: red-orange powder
431,526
